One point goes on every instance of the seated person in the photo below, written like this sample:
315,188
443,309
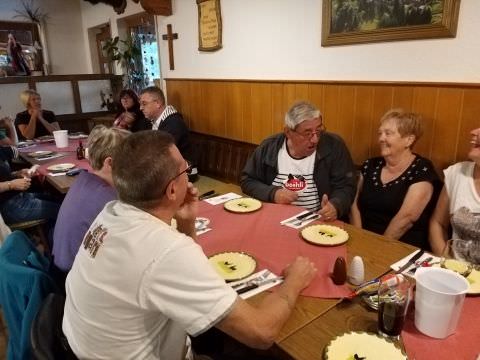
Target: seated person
34,122
87,196
304,165
165,117
138,286
395,195
459,201
130,117
7,132
16,203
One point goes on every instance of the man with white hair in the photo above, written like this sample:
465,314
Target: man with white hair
304,166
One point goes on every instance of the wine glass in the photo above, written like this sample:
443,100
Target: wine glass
461,256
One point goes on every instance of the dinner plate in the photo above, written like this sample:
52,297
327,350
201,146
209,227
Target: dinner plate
474,281
61,167
233,266
44,139
77,136
243,205
364,345
201,223
326,235
40,153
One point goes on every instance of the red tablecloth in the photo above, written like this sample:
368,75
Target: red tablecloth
70,153
463,345
273,245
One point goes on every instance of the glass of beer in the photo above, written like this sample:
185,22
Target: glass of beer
394,295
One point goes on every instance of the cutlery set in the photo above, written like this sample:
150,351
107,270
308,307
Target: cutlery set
300,219
256,282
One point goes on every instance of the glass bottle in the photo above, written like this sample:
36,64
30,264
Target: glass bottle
80,151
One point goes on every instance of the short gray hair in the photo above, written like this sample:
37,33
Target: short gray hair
299,112
102,143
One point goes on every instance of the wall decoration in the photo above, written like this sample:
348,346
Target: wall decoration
346,22
209,25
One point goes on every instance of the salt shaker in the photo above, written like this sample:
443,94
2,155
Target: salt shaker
356,271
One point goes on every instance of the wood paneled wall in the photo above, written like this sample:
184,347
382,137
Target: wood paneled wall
251,110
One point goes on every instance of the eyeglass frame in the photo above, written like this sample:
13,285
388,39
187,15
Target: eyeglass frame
188,171
309,135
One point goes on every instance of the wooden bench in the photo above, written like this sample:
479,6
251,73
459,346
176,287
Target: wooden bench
220,158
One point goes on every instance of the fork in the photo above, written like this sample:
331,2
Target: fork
308,218
260,277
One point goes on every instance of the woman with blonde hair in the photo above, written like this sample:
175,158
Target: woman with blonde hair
396,191
34,122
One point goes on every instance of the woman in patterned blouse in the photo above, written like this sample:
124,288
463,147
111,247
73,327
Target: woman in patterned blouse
396,192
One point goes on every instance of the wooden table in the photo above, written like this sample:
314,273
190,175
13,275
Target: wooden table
61,183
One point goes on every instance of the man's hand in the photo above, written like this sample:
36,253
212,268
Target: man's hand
20,184
327,210
300,273
284,196
189,209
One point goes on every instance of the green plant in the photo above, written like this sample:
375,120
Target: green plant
128,54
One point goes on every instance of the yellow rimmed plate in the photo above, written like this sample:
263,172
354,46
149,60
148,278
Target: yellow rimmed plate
242,205
325,235
61,167
473,279
40,153
233,266
365,345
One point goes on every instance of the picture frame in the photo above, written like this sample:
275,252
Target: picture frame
209,25
350,22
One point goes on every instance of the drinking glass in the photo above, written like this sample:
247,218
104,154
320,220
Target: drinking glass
461,256
394,295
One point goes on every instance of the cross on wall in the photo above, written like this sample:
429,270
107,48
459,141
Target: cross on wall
170,36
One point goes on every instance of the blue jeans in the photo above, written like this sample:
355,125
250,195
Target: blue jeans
27,206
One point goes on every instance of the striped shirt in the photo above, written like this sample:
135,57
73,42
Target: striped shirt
297,175
169,110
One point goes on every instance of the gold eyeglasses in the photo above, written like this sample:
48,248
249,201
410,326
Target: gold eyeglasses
309,134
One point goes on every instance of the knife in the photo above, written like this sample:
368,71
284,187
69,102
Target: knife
410,262
206,195
257,284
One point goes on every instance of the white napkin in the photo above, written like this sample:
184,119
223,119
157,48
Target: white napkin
57,174
220,199
259,289
203,231
399,263
290,223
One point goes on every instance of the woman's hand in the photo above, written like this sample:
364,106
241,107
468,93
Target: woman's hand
20,184
24,173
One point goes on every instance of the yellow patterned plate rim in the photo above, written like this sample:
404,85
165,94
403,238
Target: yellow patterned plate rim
235,206
61,167
233,265
312,234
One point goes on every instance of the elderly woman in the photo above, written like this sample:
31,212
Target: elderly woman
459,201
87,196
130,117
395,192
34,121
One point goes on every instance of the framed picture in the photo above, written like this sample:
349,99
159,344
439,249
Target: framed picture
346,22
209,25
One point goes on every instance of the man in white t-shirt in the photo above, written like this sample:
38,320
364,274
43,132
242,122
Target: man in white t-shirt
138,286
304,166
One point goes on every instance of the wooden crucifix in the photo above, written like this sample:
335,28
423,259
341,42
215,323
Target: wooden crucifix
170,36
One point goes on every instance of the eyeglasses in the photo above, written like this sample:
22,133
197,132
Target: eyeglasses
188,171
309,134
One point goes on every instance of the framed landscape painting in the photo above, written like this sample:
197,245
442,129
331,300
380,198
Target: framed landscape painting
362,21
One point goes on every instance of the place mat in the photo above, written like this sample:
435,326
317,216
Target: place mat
274,246
463,344
261,288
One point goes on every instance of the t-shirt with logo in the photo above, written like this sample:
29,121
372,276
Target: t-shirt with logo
297,175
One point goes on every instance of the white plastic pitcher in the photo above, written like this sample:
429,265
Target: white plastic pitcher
61,138
438,301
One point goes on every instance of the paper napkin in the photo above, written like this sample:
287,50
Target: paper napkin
220,199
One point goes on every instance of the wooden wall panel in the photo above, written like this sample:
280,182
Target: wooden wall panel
250,110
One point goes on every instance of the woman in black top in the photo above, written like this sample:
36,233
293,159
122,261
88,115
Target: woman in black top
34,122
129,116
397,191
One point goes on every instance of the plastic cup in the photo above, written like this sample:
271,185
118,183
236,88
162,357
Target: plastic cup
61,138
438,301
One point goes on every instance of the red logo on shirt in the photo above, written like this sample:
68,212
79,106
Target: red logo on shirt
295,183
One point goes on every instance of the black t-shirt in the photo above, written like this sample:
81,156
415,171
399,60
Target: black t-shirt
23,118
379,203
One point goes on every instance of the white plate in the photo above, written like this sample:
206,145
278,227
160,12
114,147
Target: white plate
77,136
474,281
201,223
326,235
365,345
40,153
242,205
61,167
233,266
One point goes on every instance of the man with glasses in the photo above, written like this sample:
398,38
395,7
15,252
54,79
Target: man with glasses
304,166
138,285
